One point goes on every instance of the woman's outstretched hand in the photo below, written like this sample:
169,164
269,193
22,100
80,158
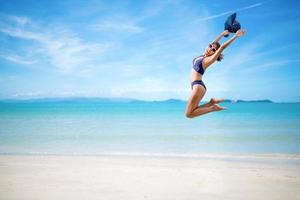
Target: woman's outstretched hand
224,33
240,33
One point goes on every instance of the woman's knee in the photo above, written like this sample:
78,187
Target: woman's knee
189,114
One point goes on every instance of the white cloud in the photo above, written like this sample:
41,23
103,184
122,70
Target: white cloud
269,65
17,59
21,20
64,50
117,26
69,53
19,32
28,94
16,20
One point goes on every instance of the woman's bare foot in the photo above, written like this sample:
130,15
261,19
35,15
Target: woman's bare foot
215,101
216,107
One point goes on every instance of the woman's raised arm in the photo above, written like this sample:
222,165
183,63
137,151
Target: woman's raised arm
228,42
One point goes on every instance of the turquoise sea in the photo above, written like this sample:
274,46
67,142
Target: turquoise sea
112,126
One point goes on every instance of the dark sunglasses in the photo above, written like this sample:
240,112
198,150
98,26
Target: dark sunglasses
210,46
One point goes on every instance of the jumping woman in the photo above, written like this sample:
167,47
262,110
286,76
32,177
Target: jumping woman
200,64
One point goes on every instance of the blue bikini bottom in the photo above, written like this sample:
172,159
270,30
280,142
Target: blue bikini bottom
200,82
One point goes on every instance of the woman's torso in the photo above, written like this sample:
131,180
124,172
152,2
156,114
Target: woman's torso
197,75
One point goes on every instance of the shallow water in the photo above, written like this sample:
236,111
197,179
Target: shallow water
147,127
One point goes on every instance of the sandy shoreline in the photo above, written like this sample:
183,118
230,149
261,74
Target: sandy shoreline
145,177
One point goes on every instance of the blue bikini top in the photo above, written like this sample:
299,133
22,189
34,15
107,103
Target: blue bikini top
197,64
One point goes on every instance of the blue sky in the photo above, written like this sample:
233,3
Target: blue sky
144,49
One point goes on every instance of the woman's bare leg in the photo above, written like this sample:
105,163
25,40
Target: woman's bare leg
212,102
194,110
201,111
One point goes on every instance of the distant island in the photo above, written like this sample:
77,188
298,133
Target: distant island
118,100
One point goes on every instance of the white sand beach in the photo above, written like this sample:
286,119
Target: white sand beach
145,177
